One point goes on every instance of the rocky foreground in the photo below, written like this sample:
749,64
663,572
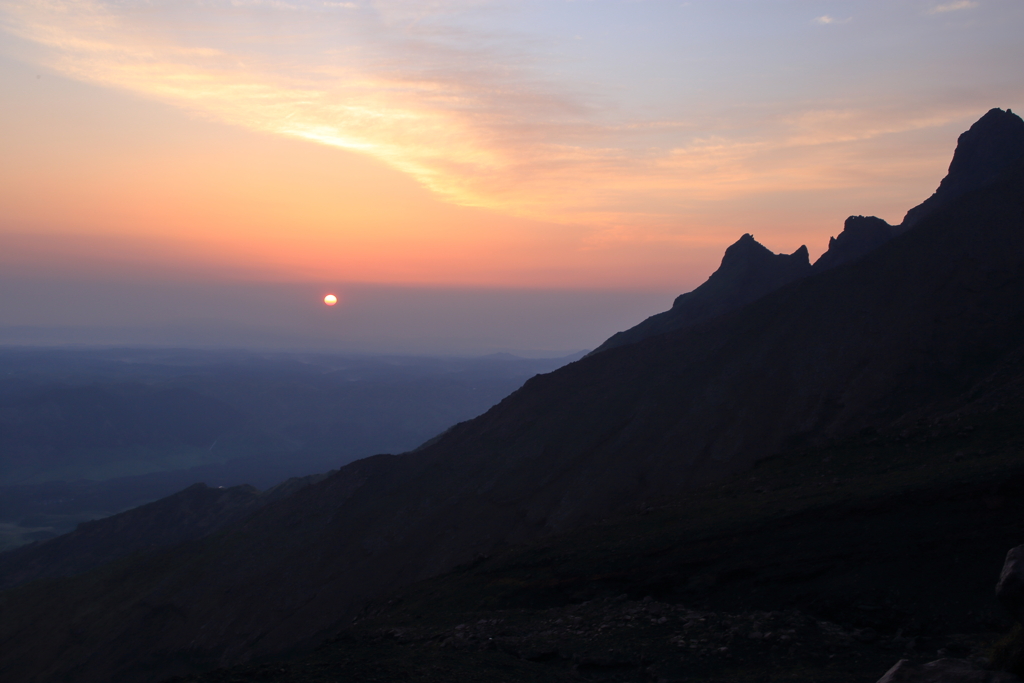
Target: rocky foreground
619,639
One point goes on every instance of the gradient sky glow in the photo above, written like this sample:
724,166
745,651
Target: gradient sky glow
577,146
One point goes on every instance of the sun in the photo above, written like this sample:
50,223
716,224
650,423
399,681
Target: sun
330,299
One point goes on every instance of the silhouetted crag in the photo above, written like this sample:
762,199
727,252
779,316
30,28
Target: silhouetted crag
860,236
993,143
748,272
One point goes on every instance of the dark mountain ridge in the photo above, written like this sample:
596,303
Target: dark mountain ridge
748,272
993,143
925,325
190,514
860,235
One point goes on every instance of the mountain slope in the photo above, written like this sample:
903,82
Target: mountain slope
860,236
748,272
842,558
192,513
994,143
928,324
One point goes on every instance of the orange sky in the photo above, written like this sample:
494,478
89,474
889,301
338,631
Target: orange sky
604,145
93,174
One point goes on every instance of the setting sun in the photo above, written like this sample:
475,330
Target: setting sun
330,299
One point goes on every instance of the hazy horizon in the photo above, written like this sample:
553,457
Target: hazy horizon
290,317
467,176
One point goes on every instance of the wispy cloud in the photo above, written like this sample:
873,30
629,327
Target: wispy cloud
465,110
952,6
460,120
826,19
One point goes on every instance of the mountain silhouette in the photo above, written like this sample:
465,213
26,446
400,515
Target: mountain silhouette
927,325
993,143
860,235
748,271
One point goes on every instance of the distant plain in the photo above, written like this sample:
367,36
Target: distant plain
87,433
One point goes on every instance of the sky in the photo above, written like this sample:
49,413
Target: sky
466,175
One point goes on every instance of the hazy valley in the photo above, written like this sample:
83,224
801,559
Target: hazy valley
84,434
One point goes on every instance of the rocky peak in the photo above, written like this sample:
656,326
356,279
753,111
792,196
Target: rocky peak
995,141
744,251
747,262
860,235
748,271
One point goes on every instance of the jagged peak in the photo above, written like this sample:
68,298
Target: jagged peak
747,261
860,235
747,251
992,143
857,224
744,250
748,271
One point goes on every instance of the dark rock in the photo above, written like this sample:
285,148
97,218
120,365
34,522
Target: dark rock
944,671
992,144
860,235
1010,589
613,660
749,270
540,654
954,649
866,635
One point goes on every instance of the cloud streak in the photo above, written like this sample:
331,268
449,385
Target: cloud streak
826,19
953,7
438,113
480,115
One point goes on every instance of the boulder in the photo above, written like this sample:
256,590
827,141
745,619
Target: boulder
1010,589
944,671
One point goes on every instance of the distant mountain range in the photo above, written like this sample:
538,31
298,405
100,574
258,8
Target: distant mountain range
749,270
893,327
